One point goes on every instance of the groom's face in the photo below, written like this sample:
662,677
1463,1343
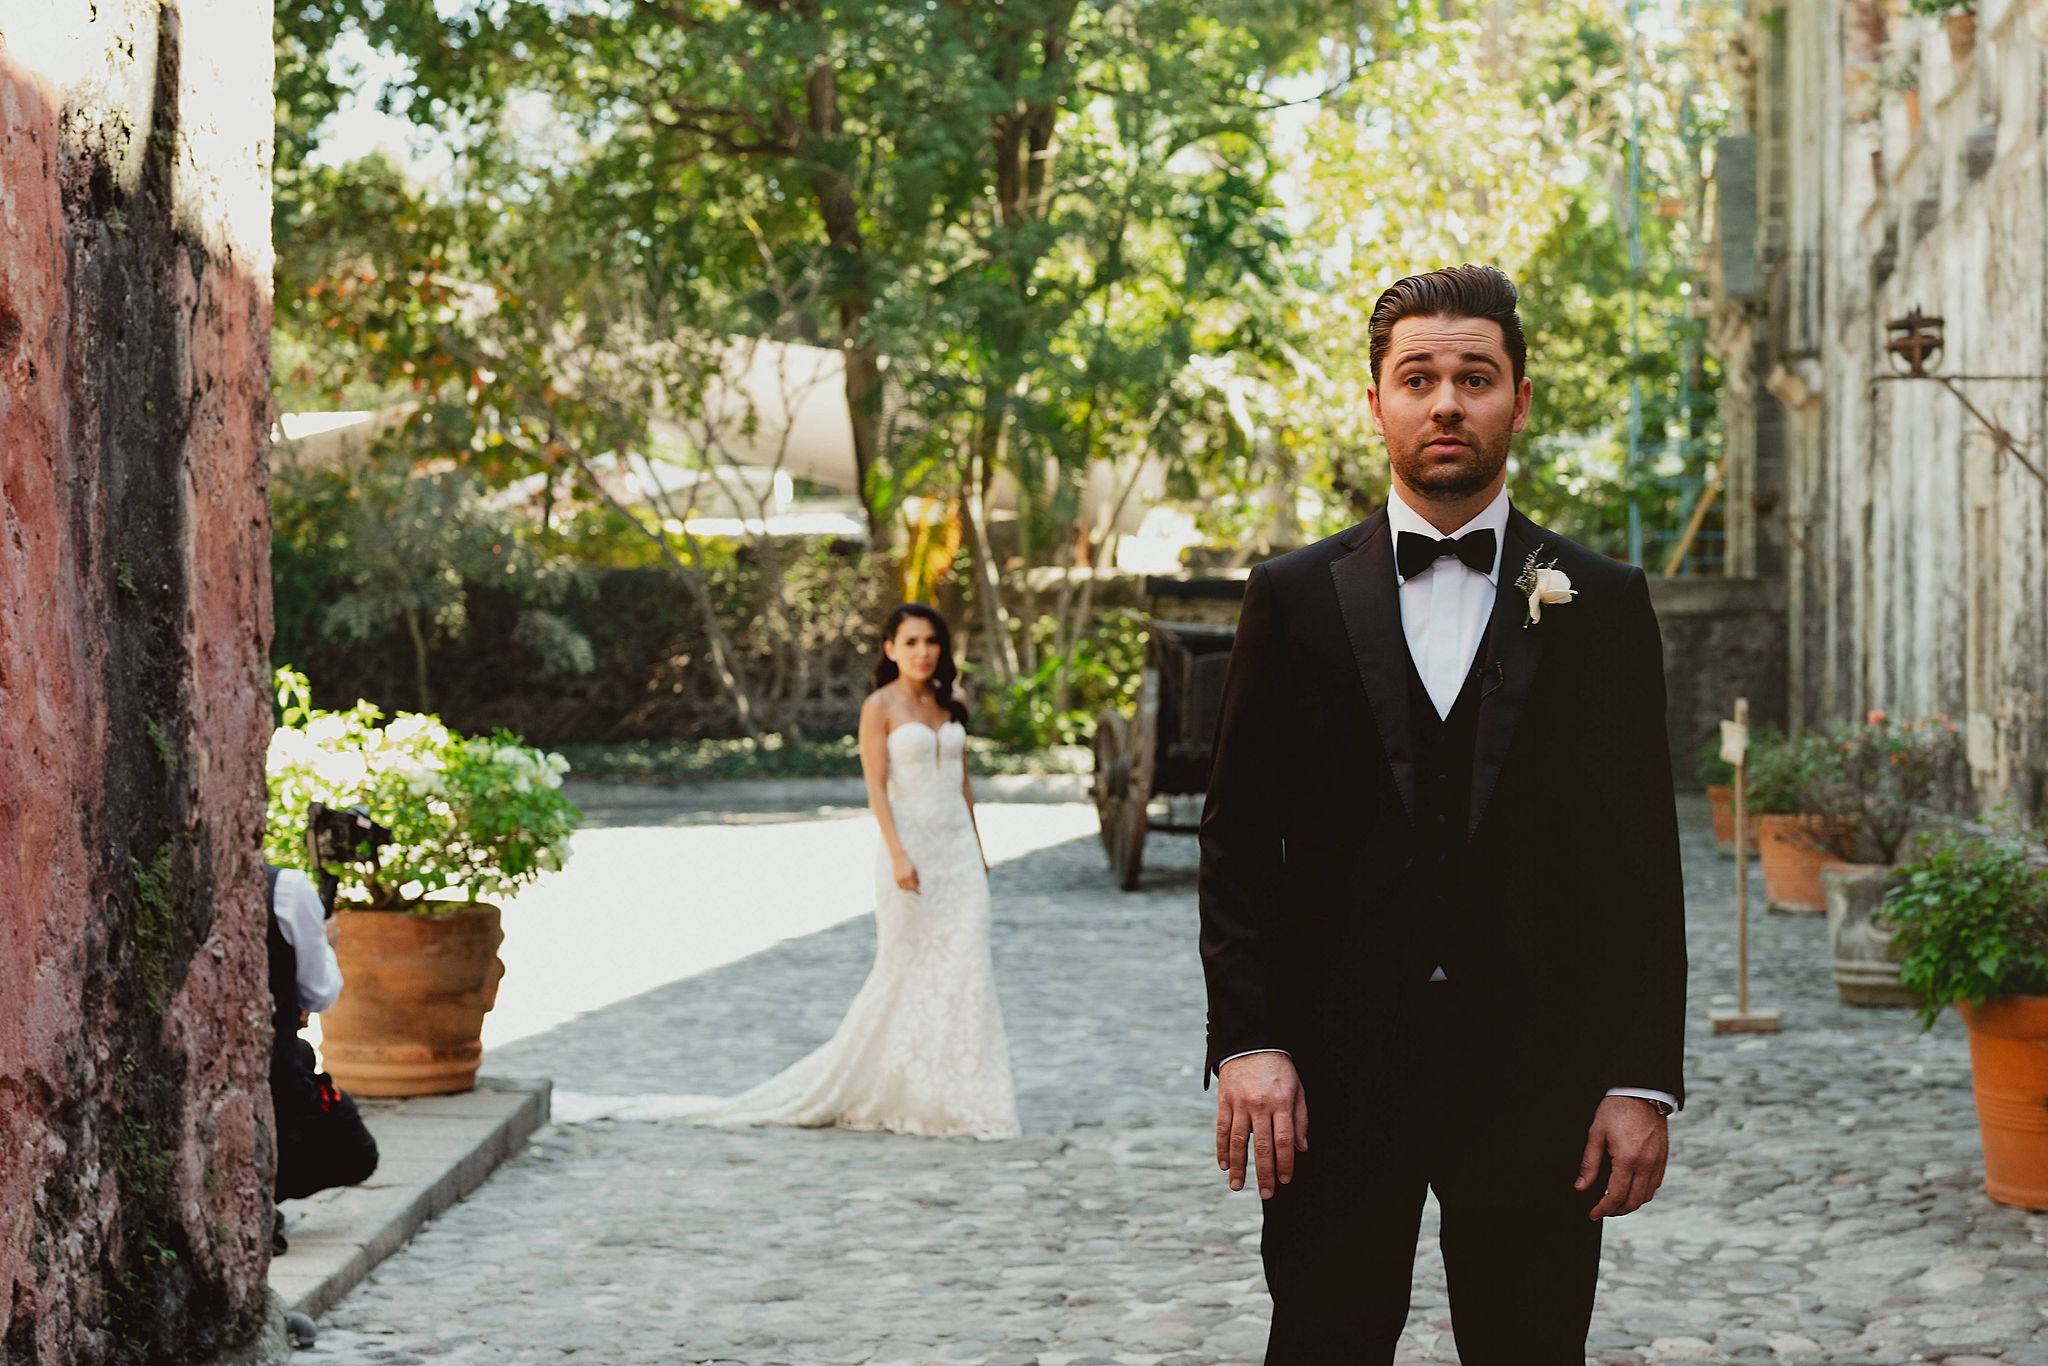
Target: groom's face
1447,404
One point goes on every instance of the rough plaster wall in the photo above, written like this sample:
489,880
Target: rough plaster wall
134,614
1909,465
1723,639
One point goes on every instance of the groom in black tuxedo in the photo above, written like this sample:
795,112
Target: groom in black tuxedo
1442,913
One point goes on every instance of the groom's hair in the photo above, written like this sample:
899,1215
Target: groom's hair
1454,292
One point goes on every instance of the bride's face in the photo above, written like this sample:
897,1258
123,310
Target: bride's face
915,649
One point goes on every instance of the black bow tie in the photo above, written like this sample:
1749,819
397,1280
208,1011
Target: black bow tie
1414,552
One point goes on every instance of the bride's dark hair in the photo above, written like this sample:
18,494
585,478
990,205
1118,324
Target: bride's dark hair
942,677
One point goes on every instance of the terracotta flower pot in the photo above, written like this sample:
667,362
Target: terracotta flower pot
1722,799
1793,854
1962,36
415,989
2009,1076
1866,965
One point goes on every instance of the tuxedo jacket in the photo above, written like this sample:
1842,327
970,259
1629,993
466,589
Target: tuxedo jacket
1566,929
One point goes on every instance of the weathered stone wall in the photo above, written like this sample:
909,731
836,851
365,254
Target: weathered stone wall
1723,639
135,1161
1913,175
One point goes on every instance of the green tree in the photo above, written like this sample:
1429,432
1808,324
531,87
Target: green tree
1018,207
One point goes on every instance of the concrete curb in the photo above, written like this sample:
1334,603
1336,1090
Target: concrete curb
432,1151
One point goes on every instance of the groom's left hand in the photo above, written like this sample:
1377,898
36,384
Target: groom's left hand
1634,1138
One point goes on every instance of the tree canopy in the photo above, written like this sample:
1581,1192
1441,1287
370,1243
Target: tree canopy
1048,240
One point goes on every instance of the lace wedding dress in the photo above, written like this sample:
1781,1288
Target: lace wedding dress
921,1050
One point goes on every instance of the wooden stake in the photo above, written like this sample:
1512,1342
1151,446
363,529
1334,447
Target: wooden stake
1742,1020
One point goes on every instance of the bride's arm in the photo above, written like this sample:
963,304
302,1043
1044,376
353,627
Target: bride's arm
874,766
967,791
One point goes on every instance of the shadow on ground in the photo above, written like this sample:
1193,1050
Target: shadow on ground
1084,1050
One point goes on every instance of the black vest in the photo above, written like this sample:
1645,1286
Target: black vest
1443,748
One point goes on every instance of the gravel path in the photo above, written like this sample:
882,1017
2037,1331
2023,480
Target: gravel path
1824,1202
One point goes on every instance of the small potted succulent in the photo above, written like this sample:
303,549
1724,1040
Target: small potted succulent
1970,923
469,818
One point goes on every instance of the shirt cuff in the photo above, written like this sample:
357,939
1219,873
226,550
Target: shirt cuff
1640,1093
1248,1052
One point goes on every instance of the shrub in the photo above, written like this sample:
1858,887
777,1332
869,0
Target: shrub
1866,785
1710,768
1786,771
1057,702
483,815
1970,922
1891,774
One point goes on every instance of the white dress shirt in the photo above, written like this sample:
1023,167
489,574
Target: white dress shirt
302,920
1444,612
1445,608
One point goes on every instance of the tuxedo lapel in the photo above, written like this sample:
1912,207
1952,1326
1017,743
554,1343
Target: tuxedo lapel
1510,670
1368,595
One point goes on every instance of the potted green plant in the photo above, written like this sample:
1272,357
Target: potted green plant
1970,923
1717,776
470,818
1795,835
1958,21
1899,72
1890,777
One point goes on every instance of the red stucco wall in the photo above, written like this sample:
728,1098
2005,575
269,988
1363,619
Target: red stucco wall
134,624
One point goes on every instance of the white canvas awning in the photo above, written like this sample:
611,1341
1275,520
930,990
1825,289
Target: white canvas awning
780,405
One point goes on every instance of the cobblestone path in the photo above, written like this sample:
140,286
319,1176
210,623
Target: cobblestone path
1824,1203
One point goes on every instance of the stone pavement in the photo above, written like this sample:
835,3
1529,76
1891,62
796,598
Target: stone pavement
1824,1202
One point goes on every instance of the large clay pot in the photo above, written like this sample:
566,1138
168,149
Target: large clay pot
1793,854
1866,967
415,988
1962,36
2009,1076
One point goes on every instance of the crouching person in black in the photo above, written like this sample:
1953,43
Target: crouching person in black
321,1140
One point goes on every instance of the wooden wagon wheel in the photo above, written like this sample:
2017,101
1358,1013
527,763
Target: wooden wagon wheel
1123,780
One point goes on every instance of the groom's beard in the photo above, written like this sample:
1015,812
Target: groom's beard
1448,480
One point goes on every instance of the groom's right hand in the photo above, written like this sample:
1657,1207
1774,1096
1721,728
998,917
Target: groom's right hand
1260,1103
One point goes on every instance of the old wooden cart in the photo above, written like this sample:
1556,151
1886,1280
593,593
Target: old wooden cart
1165,748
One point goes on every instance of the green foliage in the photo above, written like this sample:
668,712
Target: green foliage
1047,240
1786,772
1101,671
1941,9
1970,922
1870,783
1894,774
361,551
680,761
483,815
1504,141
1712,770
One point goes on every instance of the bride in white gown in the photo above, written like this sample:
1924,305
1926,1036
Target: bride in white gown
921,1050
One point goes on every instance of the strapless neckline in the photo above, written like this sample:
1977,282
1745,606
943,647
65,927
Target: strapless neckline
942,728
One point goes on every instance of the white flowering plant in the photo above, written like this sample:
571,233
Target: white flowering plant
481,815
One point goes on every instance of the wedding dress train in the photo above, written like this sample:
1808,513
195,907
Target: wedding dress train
921,1050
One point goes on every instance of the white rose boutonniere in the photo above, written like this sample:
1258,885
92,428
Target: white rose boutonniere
1543,583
